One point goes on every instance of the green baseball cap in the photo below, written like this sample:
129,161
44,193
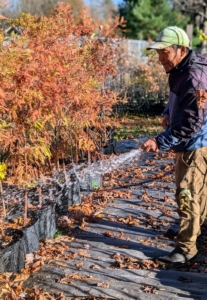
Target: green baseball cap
171,35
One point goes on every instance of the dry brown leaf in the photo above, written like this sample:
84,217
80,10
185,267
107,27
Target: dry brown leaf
60,263
73,276
84,253
20,277
29,258
79,265
17,289
169,168
95,267
99,216
36,266
150,162
61,240
121,194
108,233
83,224
76,277
129,221
149,264
103,284
124,247
121,236
149,289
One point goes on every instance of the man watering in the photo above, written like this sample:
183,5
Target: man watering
185,123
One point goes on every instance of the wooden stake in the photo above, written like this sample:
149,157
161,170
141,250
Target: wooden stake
40,196
25,206
2,198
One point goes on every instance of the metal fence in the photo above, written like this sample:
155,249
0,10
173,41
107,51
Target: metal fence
137,48
132,54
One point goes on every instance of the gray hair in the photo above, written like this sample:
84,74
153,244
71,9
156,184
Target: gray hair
176,47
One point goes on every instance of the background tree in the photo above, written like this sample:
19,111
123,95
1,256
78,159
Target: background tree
99,9
76,7
102,9
7,8
39,7
197,12
108,9
36,6
145,18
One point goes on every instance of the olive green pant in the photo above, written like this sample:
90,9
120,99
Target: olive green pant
191,197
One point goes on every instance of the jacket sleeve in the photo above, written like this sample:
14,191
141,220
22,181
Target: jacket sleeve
192,117
166,111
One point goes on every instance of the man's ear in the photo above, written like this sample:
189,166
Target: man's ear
183,50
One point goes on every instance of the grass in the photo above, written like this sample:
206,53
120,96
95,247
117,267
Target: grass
134,126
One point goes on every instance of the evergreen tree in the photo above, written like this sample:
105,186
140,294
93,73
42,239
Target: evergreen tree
145,18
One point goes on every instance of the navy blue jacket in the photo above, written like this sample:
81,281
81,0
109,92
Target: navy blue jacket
187,107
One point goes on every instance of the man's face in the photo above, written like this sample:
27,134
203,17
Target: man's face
170,57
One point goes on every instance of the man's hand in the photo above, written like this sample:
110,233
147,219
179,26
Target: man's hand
165,121
150,145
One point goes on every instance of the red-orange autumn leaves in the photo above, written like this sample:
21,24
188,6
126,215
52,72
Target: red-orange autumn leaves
52,102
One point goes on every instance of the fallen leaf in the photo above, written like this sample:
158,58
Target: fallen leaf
108,233
20,277
79,265
149,289
84,253
29,258
61,264
103,284
95,267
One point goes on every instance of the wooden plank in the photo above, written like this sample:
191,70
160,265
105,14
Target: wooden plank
145,241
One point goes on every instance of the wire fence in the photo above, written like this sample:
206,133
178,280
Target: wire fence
135,96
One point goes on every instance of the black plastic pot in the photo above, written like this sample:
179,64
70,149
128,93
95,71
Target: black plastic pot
90,182
47,222
110,147
70,195
13,256
30,239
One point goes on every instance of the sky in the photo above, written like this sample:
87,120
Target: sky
117,2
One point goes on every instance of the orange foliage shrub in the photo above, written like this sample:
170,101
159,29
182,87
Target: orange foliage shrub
51,100
140,78
152,79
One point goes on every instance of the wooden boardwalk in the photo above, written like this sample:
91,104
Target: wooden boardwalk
109,259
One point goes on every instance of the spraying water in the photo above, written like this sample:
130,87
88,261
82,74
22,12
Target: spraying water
115,162
91,176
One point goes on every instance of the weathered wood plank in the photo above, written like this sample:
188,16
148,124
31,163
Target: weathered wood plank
130,241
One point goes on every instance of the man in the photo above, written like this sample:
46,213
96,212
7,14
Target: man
185,123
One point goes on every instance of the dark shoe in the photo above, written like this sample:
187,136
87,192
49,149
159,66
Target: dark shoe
174,258
171,233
